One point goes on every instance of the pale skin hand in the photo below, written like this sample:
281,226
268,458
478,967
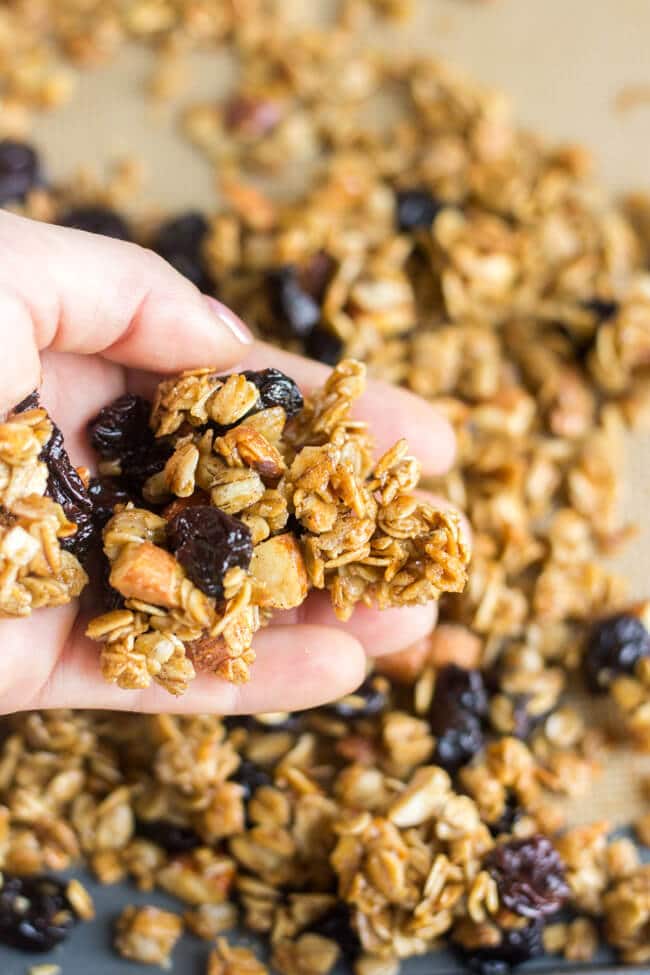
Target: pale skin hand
88,318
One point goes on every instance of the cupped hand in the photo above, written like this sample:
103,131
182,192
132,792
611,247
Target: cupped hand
87,318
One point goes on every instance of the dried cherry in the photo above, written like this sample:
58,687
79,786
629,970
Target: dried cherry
613,646
121,432
105,493
19,170
251,777
276,389
416,209
97,220
179,241
324,346
294,308
121,427
172,837
35,913
456,715
371,698
66,487
530,876
518,945
207,542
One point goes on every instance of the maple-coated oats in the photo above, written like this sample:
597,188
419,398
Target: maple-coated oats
466,259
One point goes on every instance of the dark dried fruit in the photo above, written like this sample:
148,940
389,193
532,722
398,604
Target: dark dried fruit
121,432
518,945
613,646
416,209
295,310
139,465
324,346
35,913
207,542
276,389
108,598
508,819
371,698
316,273
530,876
251,777
456,716
172,837
19,170
105,493
66,487
97,220
602,308
337,925
30,402
121,427
180,241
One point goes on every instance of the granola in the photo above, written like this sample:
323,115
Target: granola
246,456
484,269
147,935
35,571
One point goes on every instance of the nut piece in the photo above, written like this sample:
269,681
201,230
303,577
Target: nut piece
405,666
452,643
228,960
148,573
279,573
148,935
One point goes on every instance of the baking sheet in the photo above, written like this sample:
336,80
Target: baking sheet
565,65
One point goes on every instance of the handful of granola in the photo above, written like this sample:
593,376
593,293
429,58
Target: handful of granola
227,498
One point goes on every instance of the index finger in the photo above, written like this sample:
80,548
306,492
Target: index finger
392,412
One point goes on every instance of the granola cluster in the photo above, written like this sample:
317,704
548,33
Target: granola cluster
198,579
35,570
468,260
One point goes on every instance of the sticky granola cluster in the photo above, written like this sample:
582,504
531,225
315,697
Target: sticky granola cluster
35,569
260,499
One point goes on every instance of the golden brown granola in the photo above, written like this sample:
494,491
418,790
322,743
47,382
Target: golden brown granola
35,570
517,301
363,535
147,935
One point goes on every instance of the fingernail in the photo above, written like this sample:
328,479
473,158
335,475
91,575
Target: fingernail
228,318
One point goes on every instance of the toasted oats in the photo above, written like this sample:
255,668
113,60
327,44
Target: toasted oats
518,306
148,935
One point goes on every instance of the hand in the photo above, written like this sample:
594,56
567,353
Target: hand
90,318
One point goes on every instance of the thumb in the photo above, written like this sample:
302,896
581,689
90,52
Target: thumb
77,292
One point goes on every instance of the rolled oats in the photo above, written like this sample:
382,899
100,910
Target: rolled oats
456,255
363,536
148,935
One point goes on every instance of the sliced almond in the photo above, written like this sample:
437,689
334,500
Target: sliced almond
279,573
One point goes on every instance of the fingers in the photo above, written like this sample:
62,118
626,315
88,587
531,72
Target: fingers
76,292
297,666
392,412
378,631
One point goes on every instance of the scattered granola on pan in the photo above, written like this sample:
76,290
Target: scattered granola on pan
462,257
257,497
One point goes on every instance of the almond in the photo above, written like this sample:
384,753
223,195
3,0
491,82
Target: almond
451,643
148,573
279,573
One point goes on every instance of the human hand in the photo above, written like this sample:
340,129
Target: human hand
88,318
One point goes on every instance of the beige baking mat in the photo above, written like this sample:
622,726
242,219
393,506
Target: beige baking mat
577,70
